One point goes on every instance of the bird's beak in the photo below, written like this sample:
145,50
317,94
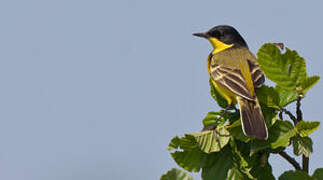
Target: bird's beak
203,35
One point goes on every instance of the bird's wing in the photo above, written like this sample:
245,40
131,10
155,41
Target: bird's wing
232,79
257,75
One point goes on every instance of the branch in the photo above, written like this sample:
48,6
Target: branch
305,160
305,163
213,125
291,116
291,160
298,110
281,115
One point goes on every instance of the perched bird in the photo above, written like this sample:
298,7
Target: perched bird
235,74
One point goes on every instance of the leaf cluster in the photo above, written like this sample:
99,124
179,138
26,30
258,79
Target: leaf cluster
226,153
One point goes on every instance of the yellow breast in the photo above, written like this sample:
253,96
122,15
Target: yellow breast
224,92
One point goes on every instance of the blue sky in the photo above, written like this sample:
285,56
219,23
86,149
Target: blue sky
96,89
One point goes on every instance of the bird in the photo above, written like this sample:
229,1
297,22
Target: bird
235,74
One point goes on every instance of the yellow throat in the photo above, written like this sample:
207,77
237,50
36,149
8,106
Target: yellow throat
218,45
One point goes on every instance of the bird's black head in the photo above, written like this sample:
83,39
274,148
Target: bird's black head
226,34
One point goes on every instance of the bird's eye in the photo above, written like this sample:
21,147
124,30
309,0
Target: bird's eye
215,33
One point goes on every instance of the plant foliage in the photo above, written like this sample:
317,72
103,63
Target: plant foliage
226,153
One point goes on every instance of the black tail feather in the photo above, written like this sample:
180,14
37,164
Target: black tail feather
253,123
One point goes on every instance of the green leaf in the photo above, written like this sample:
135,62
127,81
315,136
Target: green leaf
270,115
250,167
318,174
275,97
263,172
309,82
174,143
176,174
285,96
212,117
281,132
217,165
279,136
235,130
269,102
185,143
288,70
294,175
232,116
217,97
190,157
240,162
268,96
191,161
212,141
255,166
305,128
235,174
302,145
296,66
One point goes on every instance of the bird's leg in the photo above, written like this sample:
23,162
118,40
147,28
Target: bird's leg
235,109
213,126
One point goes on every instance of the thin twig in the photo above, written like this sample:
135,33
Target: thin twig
291,116
298,110
281,115
291,160
305,160
305,163
213,125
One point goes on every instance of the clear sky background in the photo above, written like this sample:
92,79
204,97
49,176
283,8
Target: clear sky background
96,89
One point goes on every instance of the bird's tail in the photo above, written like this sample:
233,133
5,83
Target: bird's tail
253,123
